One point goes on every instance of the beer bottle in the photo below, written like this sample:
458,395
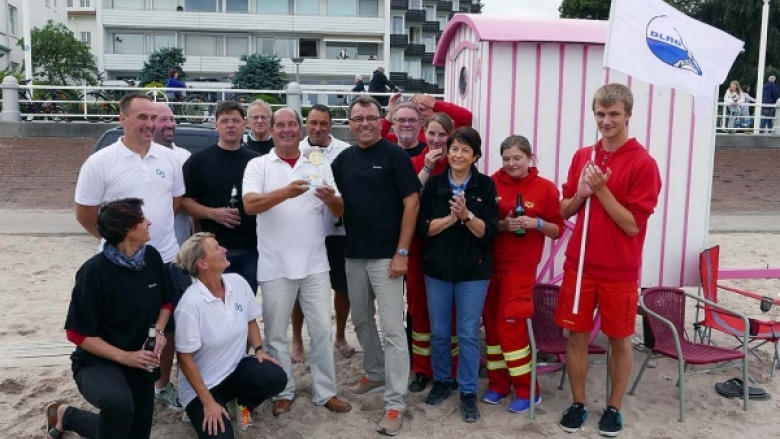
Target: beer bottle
151,340
519,211
233,202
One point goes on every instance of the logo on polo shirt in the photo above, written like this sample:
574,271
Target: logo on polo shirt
152,285
160,172
239,307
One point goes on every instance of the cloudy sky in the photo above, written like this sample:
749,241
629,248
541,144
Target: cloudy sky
542,8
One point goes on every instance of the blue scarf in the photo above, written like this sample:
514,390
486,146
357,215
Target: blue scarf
135,262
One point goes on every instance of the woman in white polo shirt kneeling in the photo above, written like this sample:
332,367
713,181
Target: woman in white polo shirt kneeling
215,320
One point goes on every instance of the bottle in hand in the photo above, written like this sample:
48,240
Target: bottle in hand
233,202
519,211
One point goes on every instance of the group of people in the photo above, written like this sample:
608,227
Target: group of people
737,100
303,218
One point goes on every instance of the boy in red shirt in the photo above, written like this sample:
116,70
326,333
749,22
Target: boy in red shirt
622,184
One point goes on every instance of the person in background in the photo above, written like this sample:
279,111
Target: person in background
770,95
380,84
734,101
174,82
258,118
517,252
359,86
622,184
458,219
217,319
427,105
110,320
432,161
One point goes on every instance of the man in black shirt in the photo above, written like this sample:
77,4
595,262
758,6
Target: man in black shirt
380,84
379,188
213,178
259,120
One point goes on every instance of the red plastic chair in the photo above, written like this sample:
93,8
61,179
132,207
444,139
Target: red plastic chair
547,338
665,309
761,332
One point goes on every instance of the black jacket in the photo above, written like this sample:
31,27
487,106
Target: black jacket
379,83
456,254
359,87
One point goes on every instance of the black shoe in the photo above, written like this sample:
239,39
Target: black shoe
439,392
419,383
611,422
574,417
468,407
454,385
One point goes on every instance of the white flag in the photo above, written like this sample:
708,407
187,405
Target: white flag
658,44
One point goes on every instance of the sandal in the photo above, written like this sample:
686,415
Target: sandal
50,416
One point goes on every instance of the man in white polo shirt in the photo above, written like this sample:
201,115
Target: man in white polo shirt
135,166
280,189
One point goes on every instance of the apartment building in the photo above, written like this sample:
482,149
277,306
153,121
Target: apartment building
12,19
333,40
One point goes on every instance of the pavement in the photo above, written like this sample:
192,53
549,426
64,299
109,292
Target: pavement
63,223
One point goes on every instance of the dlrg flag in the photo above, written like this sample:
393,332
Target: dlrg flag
658,44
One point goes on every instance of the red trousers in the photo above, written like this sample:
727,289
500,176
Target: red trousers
508,304
417,304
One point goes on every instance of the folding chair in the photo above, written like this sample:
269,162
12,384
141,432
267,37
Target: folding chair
547,338
665,309
760,332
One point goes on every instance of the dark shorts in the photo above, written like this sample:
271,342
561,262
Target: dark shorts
336,248
179,281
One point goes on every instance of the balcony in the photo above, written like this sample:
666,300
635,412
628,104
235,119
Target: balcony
399,5
416,85
430,27
415,16
443,6
415,50
399,41
399,79
427,58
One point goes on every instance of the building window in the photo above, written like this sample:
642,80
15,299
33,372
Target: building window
202,5
15,67
86,38
281,47
342,8
368,51
430,44
48,4
85,3
70,3
165,5
308,48
236,46
429,74
368,8
128,4
308,7
201,45
396,61
415,4
129,43
13,18
237,6
281,7
160,41
398,25
414,68
430,13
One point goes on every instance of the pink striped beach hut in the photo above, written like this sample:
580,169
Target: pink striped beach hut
536,77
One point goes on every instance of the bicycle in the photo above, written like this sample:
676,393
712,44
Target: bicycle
199,106
48,104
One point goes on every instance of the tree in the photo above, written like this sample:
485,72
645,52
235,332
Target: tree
59,58
160,64
260,72
599,9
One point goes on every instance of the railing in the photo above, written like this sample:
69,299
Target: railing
194,105
738,119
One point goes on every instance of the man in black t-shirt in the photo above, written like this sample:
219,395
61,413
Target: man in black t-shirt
259,121
379,188
213,178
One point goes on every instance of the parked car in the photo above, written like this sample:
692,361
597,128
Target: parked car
190,137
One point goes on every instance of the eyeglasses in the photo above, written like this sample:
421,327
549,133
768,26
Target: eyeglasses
361,119
256,118
404,120
230,121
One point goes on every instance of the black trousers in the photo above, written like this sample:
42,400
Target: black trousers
124,396
251,383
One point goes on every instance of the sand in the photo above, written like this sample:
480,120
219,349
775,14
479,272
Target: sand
36,277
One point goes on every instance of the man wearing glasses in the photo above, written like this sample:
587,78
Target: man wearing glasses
259,138
407,126
213,177
379,188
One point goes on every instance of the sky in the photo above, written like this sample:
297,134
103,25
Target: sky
540,8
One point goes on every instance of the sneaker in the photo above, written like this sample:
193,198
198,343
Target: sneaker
454,385
168,396
419,383
574,417
391,423
185,419
611,422
240,413
468,407
520,405
364,385
439,392
492,397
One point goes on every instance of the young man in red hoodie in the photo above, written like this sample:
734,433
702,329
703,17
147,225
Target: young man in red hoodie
622,184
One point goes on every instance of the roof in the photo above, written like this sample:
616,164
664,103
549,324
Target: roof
522,29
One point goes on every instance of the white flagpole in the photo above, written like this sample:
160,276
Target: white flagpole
581,264
28,67
759,93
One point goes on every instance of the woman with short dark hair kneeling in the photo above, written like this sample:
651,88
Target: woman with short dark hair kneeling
215,320
120,295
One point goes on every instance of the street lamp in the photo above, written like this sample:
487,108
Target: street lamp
297,61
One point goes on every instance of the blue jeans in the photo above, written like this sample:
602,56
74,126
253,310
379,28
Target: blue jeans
243,261
767,119
469,300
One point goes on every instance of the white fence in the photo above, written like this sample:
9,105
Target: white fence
746,118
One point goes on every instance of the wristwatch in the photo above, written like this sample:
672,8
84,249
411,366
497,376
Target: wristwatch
258,348
403,252
468,218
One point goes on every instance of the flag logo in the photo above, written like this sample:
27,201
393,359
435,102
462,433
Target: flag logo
667,44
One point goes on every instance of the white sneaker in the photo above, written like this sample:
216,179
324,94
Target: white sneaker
168,396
